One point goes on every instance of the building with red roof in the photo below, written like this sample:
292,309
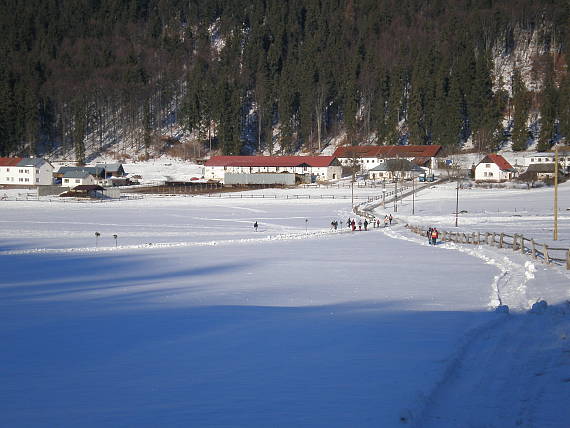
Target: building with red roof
25,172
494,168
369,157
322,167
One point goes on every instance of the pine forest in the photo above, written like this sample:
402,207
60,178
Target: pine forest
281,76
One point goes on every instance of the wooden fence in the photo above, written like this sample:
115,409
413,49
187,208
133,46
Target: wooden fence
516,242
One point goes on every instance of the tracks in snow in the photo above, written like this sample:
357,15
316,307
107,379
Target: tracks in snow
509,372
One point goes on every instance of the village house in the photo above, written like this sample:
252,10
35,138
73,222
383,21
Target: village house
548,158
25,172
102,174
75,178
392,169
111,169
494,168
321,168
541,171
369,157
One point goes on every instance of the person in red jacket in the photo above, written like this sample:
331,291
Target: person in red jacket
434,236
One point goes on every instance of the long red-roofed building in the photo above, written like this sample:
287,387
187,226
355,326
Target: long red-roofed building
371,156
323,167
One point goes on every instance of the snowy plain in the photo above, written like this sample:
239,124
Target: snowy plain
190,318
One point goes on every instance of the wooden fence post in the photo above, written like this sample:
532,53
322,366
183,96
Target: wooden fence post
546,258
523,251
501,240
568,259
493,242
533,248
515,236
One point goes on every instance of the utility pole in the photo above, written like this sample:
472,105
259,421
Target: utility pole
396,195
413,195
555,237
457,203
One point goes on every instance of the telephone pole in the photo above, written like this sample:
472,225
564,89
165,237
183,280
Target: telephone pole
555,237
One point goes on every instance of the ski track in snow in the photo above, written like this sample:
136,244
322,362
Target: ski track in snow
506,366
164,245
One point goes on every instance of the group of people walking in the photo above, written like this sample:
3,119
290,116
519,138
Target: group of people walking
432,235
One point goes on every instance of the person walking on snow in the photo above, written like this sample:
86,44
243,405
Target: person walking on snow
353,225
255,226
365,224
386,221
428,234
434,236
359,224
348,223
390,218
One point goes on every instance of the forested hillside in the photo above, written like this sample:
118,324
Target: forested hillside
281,75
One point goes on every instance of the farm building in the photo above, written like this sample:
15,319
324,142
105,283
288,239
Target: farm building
369,157
392,169
322,168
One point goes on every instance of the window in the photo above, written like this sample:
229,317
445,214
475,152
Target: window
490,174
78,181
487,165
7,169
37,180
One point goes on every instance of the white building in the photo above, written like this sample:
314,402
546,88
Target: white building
25,172
77,178
546,158
494,168
392,169
369,157
323,168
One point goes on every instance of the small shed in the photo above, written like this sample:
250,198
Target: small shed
84,191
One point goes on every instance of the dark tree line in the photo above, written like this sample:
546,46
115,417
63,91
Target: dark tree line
93,72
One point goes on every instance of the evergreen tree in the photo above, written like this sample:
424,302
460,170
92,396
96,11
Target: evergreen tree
548,110
521,105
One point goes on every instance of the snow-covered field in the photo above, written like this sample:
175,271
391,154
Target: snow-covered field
190,318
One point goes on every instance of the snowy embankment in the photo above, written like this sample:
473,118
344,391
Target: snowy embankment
194,319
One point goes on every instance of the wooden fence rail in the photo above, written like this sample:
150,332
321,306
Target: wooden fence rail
514,242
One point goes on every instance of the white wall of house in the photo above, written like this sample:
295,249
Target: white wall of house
540,158
26,175
491,172
322,173
367,163
72,182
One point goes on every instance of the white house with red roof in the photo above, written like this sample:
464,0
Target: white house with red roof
322,167
369,157
494,168
25,172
